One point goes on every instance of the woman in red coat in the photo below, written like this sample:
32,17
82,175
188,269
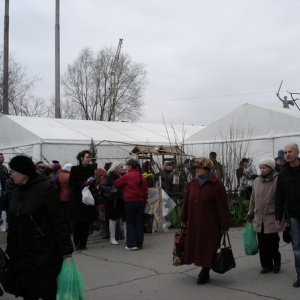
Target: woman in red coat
205,214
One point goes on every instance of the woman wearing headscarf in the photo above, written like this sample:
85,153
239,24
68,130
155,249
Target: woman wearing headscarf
262,211
205,215
114,200
135,197
38,238
78,213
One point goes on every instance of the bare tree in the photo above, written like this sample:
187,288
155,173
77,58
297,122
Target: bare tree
20,92
87,86
232,148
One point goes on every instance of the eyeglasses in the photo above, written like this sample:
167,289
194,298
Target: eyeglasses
199,167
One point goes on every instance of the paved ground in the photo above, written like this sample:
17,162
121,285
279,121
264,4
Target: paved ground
111,273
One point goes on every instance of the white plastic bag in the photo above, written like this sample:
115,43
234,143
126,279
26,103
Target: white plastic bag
87,197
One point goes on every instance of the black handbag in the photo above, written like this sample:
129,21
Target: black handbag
224,260
148,222
178,249
286,235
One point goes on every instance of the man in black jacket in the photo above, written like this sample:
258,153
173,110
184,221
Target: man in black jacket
288,197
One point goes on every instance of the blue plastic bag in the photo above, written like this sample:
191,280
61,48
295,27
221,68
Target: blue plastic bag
69,282
250,240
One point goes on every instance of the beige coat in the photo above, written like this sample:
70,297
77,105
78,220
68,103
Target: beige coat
262,204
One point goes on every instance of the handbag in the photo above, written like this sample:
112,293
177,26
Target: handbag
87,197
286,235
178,249
69,282
148,219
250,239
148,222
224,260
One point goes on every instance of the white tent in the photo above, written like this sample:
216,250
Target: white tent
267,129
61,139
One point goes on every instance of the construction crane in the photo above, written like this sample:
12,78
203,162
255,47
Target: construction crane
113,81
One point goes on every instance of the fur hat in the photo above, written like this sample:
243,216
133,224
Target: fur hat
270,162
204,162
67,167
22,164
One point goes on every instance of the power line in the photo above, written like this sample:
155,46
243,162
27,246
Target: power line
214,96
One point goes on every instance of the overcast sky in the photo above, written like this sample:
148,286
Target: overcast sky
204,58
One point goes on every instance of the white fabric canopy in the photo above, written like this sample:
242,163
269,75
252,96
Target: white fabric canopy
61,139
268,128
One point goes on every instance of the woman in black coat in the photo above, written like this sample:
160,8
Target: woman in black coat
79,213
114,200
38,237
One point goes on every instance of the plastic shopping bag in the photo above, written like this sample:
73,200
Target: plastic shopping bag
250,239
69,282
87,197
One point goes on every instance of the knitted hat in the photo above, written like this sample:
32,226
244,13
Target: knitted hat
270,162
22,164
55,167
204,162
280,152
132,162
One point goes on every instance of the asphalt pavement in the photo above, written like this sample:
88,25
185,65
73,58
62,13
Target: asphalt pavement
112,273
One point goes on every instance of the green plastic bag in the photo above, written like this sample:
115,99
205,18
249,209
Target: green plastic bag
250,240
69,282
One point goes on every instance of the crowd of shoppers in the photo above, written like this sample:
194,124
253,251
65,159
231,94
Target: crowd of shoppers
40,204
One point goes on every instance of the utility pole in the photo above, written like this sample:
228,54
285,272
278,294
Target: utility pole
57,62
113,83
5,59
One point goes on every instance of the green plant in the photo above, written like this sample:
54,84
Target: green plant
93,150
238,209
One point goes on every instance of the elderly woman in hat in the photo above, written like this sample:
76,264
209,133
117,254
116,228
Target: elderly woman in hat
262,211
135,198
205,214
38,238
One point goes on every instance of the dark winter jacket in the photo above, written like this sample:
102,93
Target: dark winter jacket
37,237
77,211
288,193
114,202
206,213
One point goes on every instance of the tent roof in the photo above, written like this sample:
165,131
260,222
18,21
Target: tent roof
250,121
50,130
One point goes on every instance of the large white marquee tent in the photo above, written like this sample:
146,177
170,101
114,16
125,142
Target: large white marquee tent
61,139
267,129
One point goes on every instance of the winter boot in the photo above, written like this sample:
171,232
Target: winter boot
112,232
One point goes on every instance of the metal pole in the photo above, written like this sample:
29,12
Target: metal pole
6,58
57,62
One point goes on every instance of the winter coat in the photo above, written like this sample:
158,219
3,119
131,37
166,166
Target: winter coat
288,193
114,202
77,211
37,238
262,203
206,213
133,191
63,186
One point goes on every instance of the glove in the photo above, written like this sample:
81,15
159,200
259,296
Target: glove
87,183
